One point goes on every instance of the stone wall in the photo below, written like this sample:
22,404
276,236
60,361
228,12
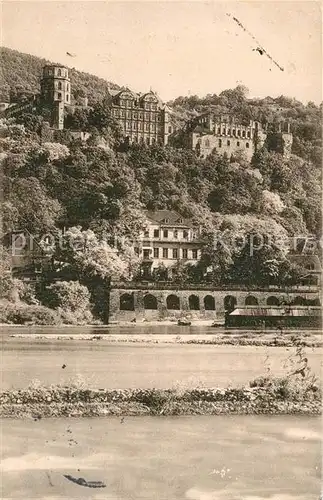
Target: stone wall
155,304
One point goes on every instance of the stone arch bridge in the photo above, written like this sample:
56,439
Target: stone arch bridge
155,303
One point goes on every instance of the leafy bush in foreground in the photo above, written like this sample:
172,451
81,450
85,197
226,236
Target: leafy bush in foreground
21,314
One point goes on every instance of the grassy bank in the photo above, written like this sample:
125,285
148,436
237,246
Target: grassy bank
272,396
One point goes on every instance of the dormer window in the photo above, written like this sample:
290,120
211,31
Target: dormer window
166,221
180,221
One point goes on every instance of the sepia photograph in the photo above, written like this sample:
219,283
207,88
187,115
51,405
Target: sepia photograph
161,250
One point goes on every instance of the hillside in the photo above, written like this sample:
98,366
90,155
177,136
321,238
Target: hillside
305,120
21,72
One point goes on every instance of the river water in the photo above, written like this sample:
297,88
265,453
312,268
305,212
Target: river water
179,458
104,364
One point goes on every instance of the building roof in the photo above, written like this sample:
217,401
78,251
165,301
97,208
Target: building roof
168,218
277,311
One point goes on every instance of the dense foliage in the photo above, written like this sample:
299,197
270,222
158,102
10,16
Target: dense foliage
96,192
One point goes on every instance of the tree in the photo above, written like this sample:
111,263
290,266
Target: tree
216,257
81,255
36,211
262,266
71,300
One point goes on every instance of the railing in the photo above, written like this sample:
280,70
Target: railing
162,285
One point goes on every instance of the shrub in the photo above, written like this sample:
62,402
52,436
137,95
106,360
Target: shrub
71,301
20,314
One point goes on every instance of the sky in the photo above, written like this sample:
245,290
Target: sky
177,48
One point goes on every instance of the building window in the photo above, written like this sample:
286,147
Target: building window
228,143
185,234
146,126
121,102
239,133
175,253
207,143
67,97
140,116
59,95
220,143
185,253
122,113
140,126
146,233
194,254
165,233
243,133
156,253
169,129
128,125
234,131
146,253
136,250
59,72
165,253
154,107
59,85
223,131
134,126
219,130
238,143
229,131
128,114
134,115
247,144
175,234
156,233
248,134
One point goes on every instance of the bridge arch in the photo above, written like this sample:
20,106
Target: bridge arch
209,303
150,301
272,301
194,302
299,301
251,301
229,302
173,302
127,302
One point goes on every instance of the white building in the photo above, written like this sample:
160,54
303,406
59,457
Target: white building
167,240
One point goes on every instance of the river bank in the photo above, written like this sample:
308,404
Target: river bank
275,396
244,338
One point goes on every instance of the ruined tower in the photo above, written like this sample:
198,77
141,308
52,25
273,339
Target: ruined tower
55,92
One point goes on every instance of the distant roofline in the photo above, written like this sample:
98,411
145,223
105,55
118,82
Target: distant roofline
51,65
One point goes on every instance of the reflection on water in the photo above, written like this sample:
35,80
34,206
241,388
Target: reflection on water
192,458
